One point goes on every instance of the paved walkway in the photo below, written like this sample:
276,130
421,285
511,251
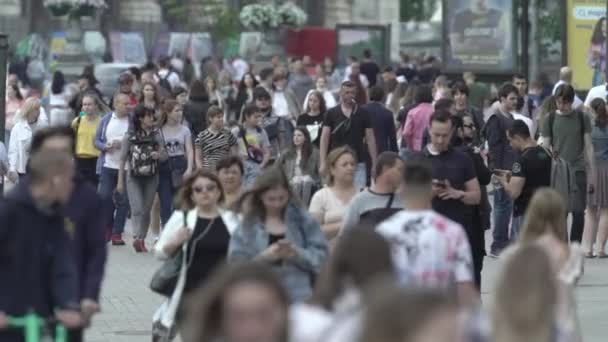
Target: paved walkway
128,304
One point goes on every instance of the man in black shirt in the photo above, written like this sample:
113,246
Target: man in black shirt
531,170
369,68
456,189
382,121
348,124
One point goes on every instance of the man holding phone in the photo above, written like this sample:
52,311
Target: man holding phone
531,170
108,138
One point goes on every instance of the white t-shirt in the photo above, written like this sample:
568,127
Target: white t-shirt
279,104
577,100
116,130
428,249
594,93
240,69
326,204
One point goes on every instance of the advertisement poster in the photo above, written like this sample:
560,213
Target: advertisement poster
128,47
352,40
480,36
586,26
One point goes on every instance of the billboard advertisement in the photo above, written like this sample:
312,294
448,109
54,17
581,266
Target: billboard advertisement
586,37
480,36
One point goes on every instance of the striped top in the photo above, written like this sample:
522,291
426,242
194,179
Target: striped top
214,146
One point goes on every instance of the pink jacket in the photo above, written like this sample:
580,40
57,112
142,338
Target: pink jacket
415,124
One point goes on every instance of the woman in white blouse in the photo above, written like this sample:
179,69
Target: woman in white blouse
329,204
29,120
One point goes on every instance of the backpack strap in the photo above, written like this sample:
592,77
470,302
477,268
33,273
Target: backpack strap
551,121
581,122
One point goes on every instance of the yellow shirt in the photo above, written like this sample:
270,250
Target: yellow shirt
85,136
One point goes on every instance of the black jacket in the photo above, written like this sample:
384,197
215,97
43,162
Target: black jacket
86,229
501,155
36,266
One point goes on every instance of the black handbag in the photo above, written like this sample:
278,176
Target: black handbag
374,217
165,278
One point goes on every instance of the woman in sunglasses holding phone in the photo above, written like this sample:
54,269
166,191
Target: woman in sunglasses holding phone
199,223
277,231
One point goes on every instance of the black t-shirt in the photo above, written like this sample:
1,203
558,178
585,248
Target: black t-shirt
210,251
458,168
309,120
348,131
371,71
534,164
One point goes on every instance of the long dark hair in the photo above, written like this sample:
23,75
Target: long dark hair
306,147
598,37
139,113
601,116
157,101
250,204
242,85
322,104
58,83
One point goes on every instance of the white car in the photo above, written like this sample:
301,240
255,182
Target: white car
107,75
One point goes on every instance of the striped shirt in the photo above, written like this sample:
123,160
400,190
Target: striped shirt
214,146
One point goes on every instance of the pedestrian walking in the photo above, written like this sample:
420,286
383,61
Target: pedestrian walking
300,163
254,146
596,221
230,171
177,141
85,127
244,95
108,139
195,111
215,142
59,96
348,124
329,205
277,231
313,116
567,133
150,97
142,148
29,120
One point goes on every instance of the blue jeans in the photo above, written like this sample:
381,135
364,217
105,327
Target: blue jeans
516,224
114,201
252,170
361,176
503,208
166,190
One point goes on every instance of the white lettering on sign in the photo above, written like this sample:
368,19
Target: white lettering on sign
588,12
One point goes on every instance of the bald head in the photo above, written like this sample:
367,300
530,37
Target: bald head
565,74
121,104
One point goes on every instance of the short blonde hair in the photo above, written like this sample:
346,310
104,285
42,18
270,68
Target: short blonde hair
332,159
546,213
28,106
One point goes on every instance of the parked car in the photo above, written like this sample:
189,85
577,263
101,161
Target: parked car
107,75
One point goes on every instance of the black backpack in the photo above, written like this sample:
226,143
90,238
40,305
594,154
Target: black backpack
141,163
163,82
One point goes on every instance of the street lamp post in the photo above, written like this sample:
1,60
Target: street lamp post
3,62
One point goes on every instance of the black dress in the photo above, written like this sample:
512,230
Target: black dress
210,251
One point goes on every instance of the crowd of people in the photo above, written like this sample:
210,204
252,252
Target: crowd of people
302,203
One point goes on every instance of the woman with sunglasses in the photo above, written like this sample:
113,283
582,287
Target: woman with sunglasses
142,148
278,232
199,225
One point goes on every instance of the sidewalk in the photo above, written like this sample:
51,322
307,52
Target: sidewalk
128,304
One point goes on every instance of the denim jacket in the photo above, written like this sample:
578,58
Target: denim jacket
100,140
298,273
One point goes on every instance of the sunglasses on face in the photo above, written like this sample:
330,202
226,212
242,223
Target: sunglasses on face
469,126
206,188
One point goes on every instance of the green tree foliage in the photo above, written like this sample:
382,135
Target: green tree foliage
417,10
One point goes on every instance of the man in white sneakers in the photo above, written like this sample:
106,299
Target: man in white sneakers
429,250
